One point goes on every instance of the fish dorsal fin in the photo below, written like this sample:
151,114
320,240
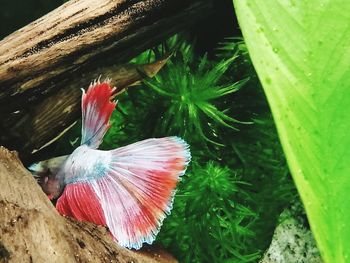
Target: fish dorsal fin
97,109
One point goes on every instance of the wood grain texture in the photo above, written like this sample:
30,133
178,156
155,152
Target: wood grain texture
69,47
31,230
60,43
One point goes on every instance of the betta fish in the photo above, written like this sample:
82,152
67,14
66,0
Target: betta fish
129,189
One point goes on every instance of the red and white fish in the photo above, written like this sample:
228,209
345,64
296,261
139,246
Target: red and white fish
130,189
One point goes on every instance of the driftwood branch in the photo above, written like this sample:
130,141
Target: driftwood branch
39,61
31,230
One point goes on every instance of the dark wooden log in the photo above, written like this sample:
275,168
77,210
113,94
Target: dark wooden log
40,61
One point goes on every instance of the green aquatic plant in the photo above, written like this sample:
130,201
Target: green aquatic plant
264,167
230,46
254,152
236,219
210,221
186,98
300,50
190,91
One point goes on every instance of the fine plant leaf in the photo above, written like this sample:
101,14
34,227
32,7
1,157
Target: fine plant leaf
301,52
216,228
191,90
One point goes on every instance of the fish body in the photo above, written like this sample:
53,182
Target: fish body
129,189
86,164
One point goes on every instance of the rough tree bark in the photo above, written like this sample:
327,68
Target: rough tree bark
31,230
72,44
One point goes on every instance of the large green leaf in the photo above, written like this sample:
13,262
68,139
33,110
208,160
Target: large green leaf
301,51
